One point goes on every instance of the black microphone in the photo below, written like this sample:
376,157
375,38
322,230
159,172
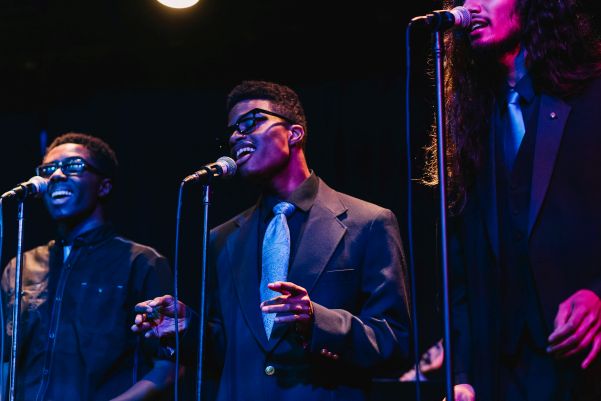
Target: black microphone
223,167
441,20
35,186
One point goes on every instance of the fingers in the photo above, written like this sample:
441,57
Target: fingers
284,304
565,308
293,306
147,306
596,348
288,307
576,342
286,287
304,317
574,317
143,327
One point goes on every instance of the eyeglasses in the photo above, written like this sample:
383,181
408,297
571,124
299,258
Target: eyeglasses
70,166
247,122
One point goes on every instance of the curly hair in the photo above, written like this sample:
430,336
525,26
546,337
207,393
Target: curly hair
563,55
104,157
285,101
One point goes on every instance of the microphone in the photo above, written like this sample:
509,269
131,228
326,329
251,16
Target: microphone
223,167
35,186
441,20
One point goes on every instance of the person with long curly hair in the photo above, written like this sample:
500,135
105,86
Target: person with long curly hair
523,126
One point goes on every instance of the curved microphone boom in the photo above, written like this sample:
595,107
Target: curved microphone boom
441,20
223,167
34,187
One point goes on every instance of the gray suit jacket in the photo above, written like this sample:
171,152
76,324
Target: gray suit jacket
351,262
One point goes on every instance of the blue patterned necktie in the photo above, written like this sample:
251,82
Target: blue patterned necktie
275,256
516,125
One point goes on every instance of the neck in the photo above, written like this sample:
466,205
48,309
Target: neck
71,228
514,62
287,180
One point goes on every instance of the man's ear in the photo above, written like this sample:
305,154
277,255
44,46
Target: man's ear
105,187
297,134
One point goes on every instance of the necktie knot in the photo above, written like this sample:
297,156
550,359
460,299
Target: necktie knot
284,208
513,97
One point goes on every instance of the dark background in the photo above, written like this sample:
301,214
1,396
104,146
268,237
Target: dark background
152,82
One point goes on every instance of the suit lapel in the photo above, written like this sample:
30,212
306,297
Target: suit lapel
551,122
320,238
322,234
245,271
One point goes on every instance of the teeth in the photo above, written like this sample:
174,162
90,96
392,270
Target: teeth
246,149
60,193
477,25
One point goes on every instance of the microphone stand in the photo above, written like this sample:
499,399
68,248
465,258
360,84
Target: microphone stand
17,305
206,202
438,49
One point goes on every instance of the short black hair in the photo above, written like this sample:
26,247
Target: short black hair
285,101
104,157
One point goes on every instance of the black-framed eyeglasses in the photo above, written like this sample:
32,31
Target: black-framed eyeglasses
69,166
247,122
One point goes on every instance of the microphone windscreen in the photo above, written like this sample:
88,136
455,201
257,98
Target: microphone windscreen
40,184
463,17
228,165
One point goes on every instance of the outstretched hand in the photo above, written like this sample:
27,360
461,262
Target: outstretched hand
293,306
156,317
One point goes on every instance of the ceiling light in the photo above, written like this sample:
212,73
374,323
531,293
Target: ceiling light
178,3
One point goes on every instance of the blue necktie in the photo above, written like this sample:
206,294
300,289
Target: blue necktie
516,127
275,256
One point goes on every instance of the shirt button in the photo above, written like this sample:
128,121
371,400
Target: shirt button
45,372
269,370
519,235
51,335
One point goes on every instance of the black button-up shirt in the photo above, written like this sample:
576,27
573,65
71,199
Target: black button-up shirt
75,341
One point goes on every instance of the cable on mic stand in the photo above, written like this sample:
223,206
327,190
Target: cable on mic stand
438,49
175,288
2,325
413,291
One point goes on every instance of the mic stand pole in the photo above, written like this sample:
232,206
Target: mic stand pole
438,48
206,201
17,304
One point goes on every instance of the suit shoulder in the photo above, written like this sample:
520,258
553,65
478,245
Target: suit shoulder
358,209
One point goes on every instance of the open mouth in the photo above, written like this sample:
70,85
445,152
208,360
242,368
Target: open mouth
243,154
477,25
60,196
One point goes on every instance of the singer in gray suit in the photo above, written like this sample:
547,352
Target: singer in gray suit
338,314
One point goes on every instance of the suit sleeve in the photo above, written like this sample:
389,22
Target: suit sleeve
378,334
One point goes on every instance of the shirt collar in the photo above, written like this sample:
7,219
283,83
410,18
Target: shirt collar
302,197
524,87
90,237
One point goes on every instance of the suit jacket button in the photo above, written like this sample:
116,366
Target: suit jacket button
269,370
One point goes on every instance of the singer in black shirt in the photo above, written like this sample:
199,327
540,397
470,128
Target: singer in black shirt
79,290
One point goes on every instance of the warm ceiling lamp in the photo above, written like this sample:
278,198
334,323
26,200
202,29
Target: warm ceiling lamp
178,3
